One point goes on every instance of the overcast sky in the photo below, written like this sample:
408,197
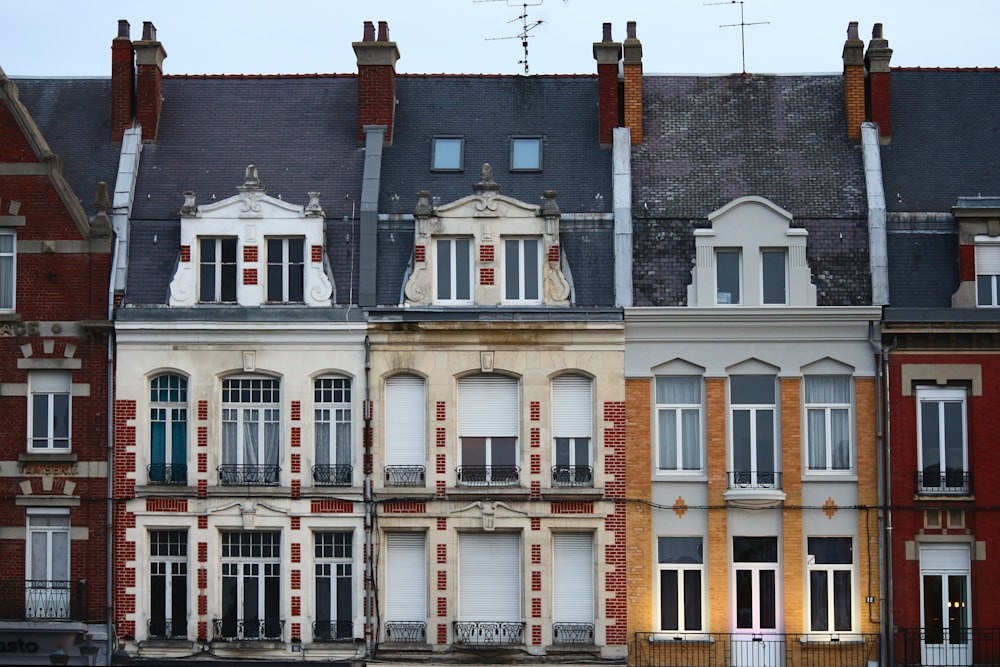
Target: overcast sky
73,37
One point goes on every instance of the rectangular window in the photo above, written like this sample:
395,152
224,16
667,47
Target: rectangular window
572,424
405,588
573,589
334,587
50,413
285,270
941,429
728,277
526,154
333,432
217,270
680,571
988,274
678,419
251,586
753,408
522,270
774,277
830,563
168,583
488,426
8,270
251,431
446,153
828,422
454,270
168,430
489,589
405,430
756,583
48,588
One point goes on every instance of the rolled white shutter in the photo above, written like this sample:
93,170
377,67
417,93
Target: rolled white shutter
405,586
988,259
488,406
572,406
573,578
405,426
489,577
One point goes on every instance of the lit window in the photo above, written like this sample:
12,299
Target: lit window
678,418
333,432
522,270
828,417
941,430
334,587
526,154
680,567
251,431
50,413
752,402
454,270
251,586
830,563
728,276
168,430
217,271
285,270
988,274
774,277
447,153
168,583
8,270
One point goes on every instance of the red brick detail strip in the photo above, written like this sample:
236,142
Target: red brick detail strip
332,507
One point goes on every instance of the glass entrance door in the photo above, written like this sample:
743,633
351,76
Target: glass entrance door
756,640
944,594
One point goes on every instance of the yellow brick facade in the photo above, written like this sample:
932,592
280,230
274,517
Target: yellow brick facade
639,549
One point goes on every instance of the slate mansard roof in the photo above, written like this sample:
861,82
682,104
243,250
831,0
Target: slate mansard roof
709,140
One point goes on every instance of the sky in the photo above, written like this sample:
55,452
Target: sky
73,37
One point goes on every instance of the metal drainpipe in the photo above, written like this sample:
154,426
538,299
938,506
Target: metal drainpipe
367,463
109,519
885,512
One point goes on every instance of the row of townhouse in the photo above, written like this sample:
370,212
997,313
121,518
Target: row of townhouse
376,367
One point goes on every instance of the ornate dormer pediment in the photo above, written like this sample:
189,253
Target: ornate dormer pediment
251,249
487,249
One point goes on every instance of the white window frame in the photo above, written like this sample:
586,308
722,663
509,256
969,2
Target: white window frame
526,153
757,478
45,527
255,412
942,397
246,566
518,284
168,560
334,424
334,570
406,578
44,391
219,267
572,428
440,158
405,422
681,570
728,301
8,267
825,410
766,276
281,270
681,427
573,589
830,570
168,405
456,277
489,417
987,274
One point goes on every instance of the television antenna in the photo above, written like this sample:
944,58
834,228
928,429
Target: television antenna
526,25
742,26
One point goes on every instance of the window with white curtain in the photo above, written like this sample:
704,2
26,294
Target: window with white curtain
828,422
251,431
943,455
49,411
48,588
830,563
678,424
332,396
8,270
680,573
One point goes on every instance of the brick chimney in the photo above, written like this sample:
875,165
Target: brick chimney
607,53
879,101
854,82
149,55
376,79
632,68
122,82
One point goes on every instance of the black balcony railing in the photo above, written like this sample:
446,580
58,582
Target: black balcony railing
943,646
406,632
488,475
167,628
404,475
572,476
722,649
573,633
167,473
333,631
248,475
333,475
256,629
948,483
41,599
489,633
754,479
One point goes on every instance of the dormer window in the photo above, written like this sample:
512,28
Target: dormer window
988,275
446,153
217,270
285,270
728,277
522,270
454,269
773,278
526,154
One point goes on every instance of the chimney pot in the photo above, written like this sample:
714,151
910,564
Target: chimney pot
877,31
123,29
369,34
852,30
630,30
148,31
607,32
383,31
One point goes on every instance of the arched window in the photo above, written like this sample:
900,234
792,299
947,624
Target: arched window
168,429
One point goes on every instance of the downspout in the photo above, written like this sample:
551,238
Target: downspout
877,251
370,185
369,567
622,194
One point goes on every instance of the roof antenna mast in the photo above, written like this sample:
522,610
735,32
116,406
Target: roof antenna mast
526,25
742,26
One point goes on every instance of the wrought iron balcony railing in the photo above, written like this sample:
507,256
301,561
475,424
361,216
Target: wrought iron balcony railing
406,632
333,475
573,633
248,475
41,599
944,646
167,473
721,649
488,475
489,633
572,476
754,479
166,628
404,476
251,629
333,631
947,483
